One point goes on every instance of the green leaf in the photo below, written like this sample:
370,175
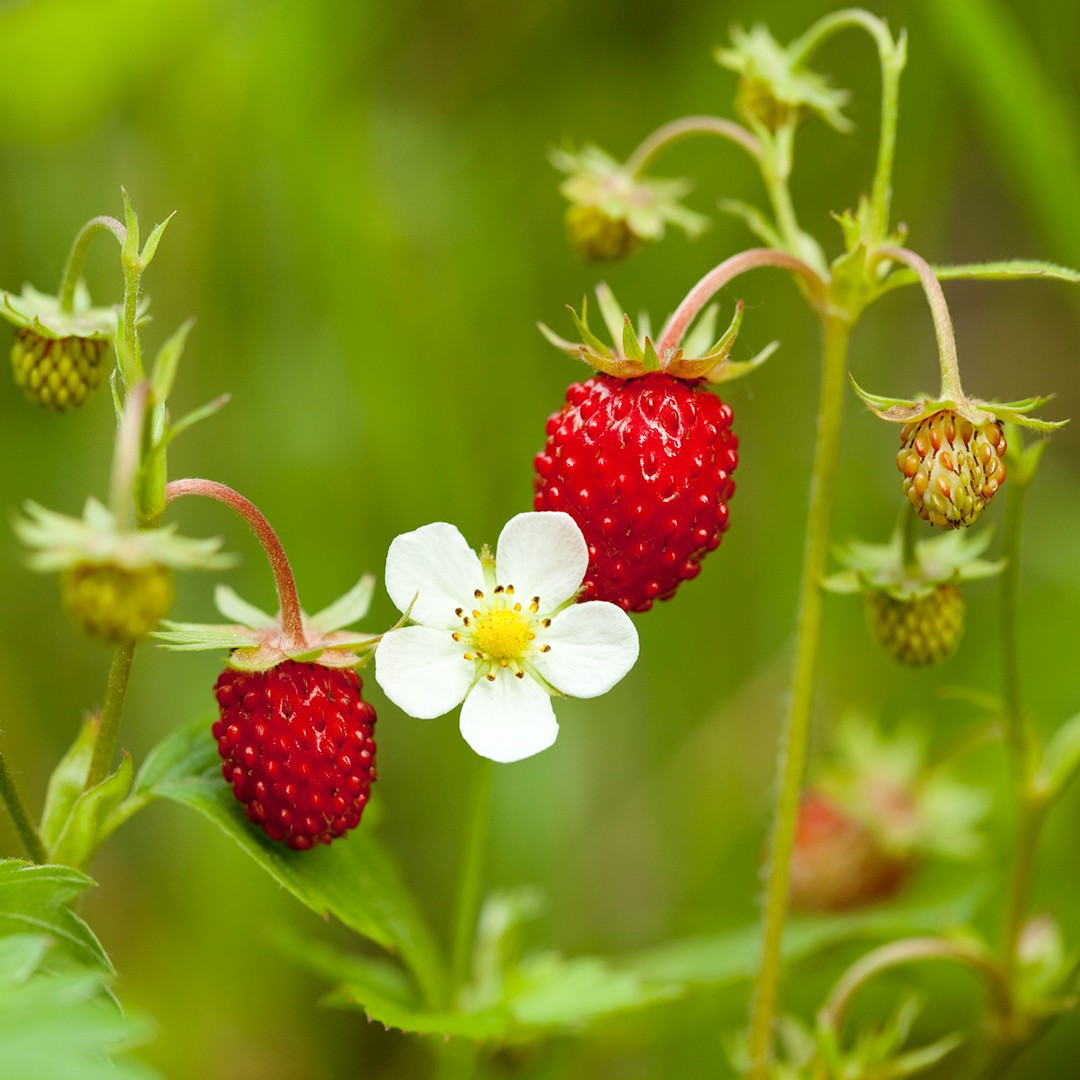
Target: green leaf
33,899
85,827
67,782
350,608
734,955
352,879
1060,760
168,360
194,417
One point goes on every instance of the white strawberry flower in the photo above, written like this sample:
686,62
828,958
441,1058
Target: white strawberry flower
499,635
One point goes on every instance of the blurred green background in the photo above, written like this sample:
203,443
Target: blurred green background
367,229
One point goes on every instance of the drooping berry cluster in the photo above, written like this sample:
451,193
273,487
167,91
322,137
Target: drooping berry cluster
644,467
952,468
921,631
58,373
297,744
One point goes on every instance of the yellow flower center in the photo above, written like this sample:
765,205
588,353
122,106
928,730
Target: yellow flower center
501,635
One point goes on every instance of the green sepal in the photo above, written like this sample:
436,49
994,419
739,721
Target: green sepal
910,410
758,224
83,832
1022,461
650,361
1060,760
697,340
582,324
736,369
610,311
192,418
196,637
236,609
350,608
166,363
130,253
152,241
631,345
67,782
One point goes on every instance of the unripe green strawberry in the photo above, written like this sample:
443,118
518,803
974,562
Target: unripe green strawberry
116,603
951,467
918,631
598,237
57,373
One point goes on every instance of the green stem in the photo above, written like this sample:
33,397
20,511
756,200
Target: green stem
77,256
1020,740
112,709
939,309
677,130
908,951
796,735
775,159
470,875
130,352
24,823
892,56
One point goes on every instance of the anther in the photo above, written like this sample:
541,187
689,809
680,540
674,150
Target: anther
478,593
468,656
458,611
509,590
545,623
456,636
490,676
519,674
499,589
545,648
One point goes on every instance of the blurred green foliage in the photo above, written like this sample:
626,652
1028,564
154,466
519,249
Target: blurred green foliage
367,229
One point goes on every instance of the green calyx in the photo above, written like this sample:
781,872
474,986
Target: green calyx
58,542
951,558
775,90
43,314
977,411
701,356
613,210
256,641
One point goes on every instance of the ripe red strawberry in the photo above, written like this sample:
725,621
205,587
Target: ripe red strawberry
297,744
643,465
838,862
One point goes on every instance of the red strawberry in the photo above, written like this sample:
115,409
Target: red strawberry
838,862
644,466
297,743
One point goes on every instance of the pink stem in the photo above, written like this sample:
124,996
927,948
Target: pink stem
719,276
292,625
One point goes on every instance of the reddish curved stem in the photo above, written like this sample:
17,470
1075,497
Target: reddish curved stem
291,620
729,269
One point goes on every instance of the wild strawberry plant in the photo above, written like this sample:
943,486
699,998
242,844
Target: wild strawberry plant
633,489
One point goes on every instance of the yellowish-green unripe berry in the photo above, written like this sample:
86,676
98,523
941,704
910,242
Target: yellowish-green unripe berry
598,237
116,603
57,373
919,632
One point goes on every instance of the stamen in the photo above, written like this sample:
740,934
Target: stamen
504,663
499,589
519,674
458,611
475,614
510,590
545,623
478,593
466,620
545,648
532,636
490,676
534,606
517,607
468,656
456,636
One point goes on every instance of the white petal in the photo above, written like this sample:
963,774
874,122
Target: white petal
435,564
508,719
593,646
542,554
423,671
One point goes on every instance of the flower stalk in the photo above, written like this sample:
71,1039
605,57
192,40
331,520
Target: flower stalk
685,127
77,256
292,624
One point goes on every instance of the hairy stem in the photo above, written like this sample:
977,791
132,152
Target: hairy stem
909,951
471,874
1020,740
686,126
292,623
20,815
796,734
112,710
892,55
943,329
728,270
77,256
